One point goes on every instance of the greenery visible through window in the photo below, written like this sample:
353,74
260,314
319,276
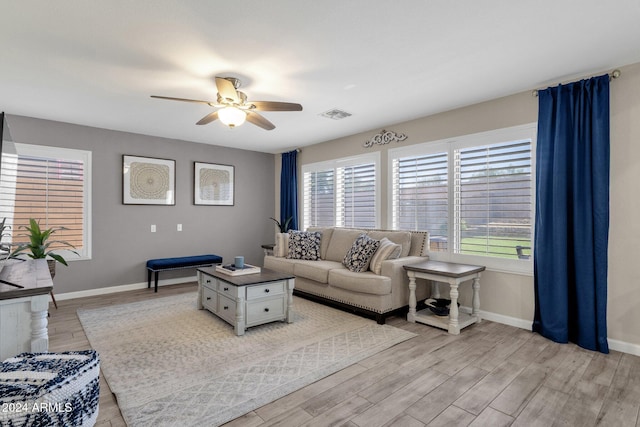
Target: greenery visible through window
50,185
473,194
493,199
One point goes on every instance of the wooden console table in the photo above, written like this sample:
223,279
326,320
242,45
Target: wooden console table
24,305
454,275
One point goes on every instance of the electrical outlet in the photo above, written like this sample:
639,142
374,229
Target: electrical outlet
153,228
179,227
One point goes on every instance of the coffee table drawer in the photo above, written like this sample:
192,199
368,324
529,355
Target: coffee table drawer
210,299
227,309
265,310
225,288
266,290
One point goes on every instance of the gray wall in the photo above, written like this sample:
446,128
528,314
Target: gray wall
122,241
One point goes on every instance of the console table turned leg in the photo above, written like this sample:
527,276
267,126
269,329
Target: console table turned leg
39,322
411,316
476,299
454,325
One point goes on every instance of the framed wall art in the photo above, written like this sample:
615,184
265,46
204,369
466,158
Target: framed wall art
148,181
213,184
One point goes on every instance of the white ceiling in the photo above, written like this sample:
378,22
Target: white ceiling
95,63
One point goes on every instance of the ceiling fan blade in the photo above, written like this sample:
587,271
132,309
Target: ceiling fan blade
258,120
227,90
208,118
182,99
276,106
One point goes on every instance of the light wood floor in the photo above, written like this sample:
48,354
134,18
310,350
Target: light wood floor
489,375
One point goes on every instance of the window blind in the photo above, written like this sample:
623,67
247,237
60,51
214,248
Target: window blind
319,199
357,196
493,198
420,196
50,190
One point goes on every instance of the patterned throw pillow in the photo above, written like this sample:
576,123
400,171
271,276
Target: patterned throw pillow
304,245
386,250
359,256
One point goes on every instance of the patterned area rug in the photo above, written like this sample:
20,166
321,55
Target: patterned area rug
171,364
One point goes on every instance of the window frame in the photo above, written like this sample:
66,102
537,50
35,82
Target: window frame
515,133
335,164
85,156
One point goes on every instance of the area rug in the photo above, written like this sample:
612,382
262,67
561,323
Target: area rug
169,363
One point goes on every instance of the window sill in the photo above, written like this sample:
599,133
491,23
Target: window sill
520,267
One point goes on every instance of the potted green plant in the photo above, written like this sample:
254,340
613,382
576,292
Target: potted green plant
281,236
39,243
283,227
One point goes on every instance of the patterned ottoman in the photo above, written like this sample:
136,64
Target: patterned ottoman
50,389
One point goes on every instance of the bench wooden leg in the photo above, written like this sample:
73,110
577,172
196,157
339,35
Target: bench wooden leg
148,278
54,300
156,288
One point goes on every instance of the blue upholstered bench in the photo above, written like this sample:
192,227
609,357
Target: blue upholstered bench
162,264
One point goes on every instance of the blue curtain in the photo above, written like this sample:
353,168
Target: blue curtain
289,189
572,214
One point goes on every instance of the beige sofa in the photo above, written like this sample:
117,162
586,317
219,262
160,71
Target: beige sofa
327,280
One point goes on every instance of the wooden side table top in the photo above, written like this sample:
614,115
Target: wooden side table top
448,269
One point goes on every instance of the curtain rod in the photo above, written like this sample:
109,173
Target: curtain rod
612,75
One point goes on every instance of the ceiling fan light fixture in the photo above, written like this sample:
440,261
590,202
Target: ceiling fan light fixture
232,116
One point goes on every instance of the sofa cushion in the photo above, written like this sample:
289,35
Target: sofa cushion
326,238
402,238
341,241
419,243
366,282
359,256
283,265
315,270
304,245
386,250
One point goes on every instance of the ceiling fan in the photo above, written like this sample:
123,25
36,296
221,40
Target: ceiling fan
233,107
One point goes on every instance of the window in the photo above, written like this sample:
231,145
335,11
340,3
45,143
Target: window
421,195
50,185
473,194
319,200
341,193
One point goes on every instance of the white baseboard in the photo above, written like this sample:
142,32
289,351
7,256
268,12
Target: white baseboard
624,347
122,288
500,318
616,345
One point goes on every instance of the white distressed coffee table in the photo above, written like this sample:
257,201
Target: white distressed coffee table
248,300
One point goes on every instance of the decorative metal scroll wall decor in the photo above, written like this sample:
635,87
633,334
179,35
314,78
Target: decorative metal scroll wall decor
385,137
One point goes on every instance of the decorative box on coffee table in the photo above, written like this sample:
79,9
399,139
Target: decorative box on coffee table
246,300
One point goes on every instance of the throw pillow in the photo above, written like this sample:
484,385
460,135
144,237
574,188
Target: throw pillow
386,250
304,245
359,256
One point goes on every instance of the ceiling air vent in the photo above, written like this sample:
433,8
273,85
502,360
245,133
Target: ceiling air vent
335,114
